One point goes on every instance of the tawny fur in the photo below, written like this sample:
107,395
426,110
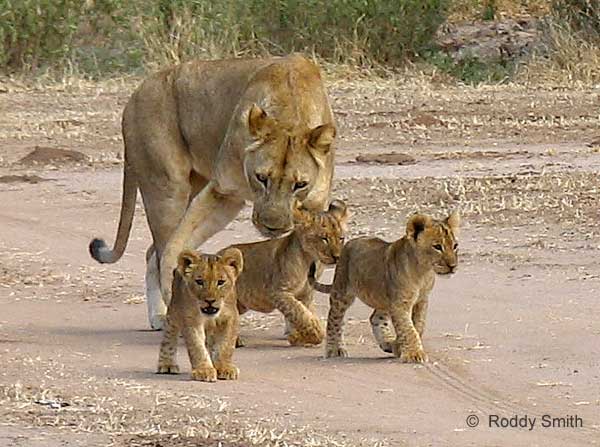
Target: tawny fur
394,279
203,137
204,309
276,272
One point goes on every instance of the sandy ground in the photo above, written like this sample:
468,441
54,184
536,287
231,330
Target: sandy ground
514,333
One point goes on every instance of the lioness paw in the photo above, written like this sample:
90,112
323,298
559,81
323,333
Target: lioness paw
335,351
157,322
167,368
413,356
227,372
205,374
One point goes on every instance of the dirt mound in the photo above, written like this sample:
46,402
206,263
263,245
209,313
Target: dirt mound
394,158
52,156
22,179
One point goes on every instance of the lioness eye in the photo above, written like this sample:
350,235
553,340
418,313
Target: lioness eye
324,239
262,178
300,185
455,246
199,281
220,282
438,247
342,239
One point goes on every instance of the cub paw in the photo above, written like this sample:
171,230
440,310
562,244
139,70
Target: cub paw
335,351
307,336
167,368
228,372
205,374
413,356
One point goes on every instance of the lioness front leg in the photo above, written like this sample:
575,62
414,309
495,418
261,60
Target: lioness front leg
307,329
208,213
202,367
408,344
338,305
167,357
224,346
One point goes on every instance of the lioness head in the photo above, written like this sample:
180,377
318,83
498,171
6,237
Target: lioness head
283,167
210,278
435,241
322,234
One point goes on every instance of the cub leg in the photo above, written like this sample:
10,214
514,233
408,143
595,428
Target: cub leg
167,357
306,297
224,345
202,367
419,315
307,328
338,305
383,330
408,344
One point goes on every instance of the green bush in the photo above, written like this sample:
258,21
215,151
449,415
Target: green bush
126,34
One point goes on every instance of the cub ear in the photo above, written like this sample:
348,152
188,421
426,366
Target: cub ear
186,260
233,258
453,221
340,211
257,121
416,224
321,137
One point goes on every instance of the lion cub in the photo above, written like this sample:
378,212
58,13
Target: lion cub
395,280
275,275
204,308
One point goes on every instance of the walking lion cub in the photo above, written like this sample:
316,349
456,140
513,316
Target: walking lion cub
275,272
395,279
204,308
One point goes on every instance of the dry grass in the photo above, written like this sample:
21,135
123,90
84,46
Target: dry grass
464,10
568,60
135,414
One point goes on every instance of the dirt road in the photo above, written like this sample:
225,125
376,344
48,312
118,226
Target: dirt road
514,333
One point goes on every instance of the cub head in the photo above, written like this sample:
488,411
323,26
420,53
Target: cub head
210,278
435,241
322,234
284,166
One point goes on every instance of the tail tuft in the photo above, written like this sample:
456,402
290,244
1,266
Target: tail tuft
100,252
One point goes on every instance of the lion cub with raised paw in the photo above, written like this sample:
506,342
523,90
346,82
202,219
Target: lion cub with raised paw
204,308
275,275
395,280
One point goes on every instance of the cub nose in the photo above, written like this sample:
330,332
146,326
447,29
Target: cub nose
210,301
452,267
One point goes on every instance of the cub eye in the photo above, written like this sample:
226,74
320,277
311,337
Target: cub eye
324,239
220,282
455,246
262,178
200,282
438,247
300,185
342,239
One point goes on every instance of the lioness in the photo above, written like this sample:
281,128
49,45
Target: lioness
276,271
204,308
394,279
202,138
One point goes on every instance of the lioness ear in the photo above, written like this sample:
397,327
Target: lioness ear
233,258
453,221
416,224
186,260
321,137
257,120
340,211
